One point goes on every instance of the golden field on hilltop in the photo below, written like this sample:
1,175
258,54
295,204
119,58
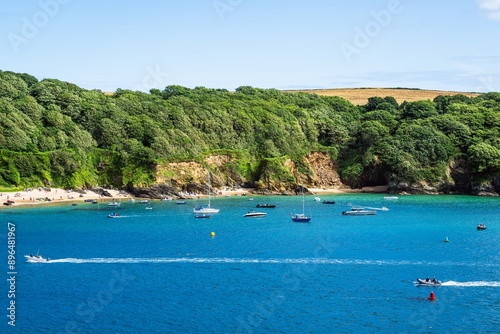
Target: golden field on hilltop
359,96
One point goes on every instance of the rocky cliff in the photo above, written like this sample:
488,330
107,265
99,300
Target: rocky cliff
317,170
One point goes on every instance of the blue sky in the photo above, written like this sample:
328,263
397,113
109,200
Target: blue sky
443,45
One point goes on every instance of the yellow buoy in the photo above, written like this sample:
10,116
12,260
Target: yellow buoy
212,234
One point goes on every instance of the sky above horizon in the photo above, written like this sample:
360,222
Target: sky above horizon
293,44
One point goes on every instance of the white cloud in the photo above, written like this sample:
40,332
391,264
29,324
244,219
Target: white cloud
492,7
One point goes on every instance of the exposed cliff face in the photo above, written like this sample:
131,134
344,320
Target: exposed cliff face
317,170
325,171
193,176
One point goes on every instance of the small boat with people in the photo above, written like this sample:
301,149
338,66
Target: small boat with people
428,281
481,227
113,215
268,206
328,202
114,203
253,214
35,258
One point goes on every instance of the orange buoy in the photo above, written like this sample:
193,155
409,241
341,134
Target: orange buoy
432,297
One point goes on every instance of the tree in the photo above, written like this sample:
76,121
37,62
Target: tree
371,132
418,110
484,157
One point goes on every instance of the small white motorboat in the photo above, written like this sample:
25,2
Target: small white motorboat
359,212
35,258
252,214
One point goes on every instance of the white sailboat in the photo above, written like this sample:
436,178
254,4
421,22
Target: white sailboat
301,217
204,209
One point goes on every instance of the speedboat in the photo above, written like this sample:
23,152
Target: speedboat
428,282
35,258
113,215
265,205
114,203
481,227
252,213
390,198
359,212
328,202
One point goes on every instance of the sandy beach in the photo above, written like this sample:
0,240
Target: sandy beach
57,195
338,190
41,196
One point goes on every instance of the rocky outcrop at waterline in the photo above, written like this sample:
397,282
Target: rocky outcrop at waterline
284,177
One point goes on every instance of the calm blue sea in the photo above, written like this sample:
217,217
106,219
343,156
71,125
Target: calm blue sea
160,271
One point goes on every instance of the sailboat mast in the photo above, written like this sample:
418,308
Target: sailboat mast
209,189
303,200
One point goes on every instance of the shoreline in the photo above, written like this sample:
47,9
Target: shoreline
57,196
60,196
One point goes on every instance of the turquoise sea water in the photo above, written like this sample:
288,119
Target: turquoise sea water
160,271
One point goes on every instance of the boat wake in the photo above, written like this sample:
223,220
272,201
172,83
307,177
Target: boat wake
230,260
471,284
223,260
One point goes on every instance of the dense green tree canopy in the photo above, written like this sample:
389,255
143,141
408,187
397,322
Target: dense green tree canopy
56,132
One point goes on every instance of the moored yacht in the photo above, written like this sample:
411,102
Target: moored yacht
253,213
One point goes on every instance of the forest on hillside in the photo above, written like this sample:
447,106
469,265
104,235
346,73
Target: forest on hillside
56,133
